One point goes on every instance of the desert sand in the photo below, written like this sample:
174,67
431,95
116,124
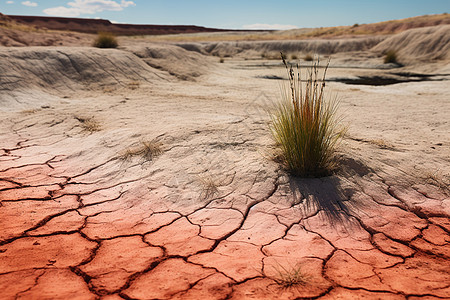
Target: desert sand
208,213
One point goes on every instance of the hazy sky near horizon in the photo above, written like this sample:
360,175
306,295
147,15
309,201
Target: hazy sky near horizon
231,14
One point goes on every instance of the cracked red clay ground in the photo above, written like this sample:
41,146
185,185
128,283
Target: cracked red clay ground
79,223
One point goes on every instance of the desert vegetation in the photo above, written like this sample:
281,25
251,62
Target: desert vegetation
308,57
305,125
89,124
390,57
210,187
288,276
147,151
106,40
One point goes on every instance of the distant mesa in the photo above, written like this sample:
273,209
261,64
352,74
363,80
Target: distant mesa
101,25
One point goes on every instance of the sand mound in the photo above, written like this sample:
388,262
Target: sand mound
183,64
71,68
59,70
419,44
304,46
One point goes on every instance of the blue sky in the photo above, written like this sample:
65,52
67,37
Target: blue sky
275,14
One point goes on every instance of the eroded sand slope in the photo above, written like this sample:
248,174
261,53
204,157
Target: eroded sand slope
212,216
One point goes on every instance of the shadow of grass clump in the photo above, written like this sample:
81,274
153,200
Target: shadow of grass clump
305,126
105,40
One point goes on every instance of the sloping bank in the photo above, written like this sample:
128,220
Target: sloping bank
34,75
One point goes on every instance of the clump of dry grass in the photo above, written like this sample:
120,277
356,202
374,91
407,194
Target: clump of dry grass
381,144
390,57
108,89
30,111
210,187
270,55
305,126
147,151
105,40
133,85
89,124
438,179
289,276
308,57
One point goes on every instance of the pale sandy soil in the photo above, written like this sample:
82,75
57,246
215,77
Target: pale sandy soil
213,216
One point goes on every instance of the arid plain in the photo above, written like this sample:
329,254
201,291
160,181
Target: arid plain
148,171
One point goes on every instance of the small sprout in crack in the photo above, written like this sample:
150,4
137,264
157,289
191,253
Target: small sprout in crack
89,124
288,276
147,150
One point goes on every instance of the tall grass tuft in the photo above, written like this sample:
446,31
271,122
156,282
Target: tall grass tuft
105,40
305,125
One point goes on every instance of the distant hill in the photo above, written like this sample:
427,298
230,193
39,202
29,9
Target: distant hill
54,31
100,25
386,27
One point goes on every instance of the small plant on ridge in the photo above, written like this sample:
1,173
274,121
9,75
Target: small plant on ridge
390,57
106,40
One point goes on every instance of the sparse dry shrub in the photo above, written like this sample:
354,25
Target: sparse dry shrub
147,151
438,179
293,56
108,89
105,40
210,187
89,124
133,85
391,57
305,125
381,144
289,276
30,111
308,57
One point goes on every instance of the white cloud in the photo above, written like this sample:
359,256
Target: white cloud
78,7
269,26
29,3
9,2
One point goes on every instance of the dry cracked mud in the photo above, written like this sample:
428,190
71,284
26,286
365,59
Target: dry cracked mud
212,216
